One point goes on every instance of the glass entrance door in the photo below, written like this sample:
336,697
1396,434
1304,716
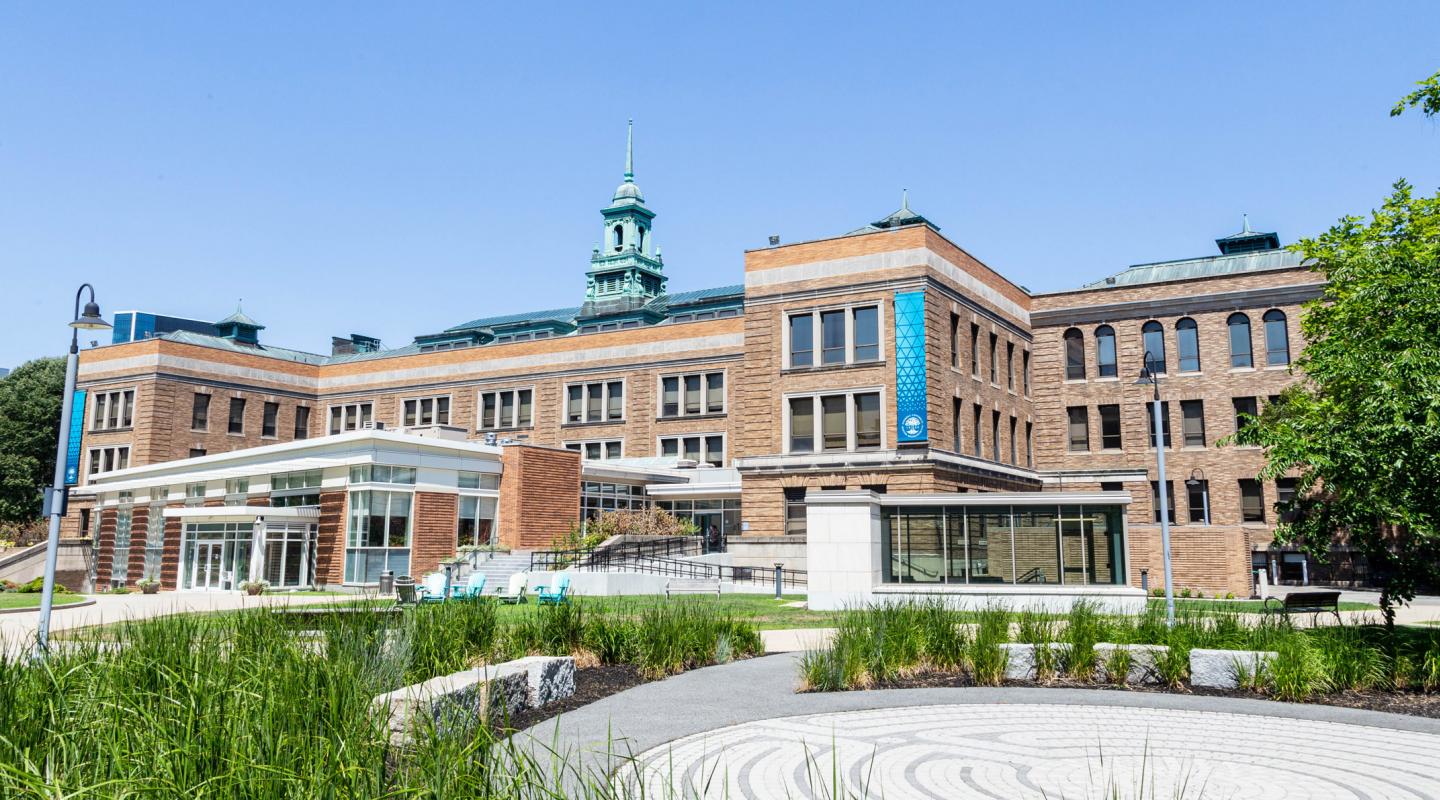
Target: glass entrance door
208,565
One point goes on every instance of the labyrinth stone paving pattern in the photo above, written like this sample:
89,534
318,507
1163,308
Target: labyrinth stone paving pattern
1046,751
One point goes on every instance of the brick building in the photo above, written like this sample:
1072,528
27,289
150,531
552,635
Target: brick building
885,363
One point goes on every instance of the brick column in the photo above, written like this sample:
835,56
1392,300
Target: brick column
539,495
170,558
436,516
330,539
105,553
139,531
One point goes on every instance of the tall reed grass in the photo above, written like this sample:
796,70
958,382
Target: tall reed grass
246,705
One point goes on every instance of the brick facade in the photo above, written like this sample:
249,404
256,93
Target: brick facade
539,497
433,532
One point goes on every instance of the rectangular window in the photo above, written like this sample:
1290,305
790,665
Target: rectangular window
706,448
194,492
1110,427
802,424
842,422
795,511
975,351
237,415
1169,498
200,412
350,417
600,402
598,450
109,459
507,408
1252,500
477,480
378,536
302,422
832,337
112,410
692,394
802,340
995,435
994,361
1192,422
237,487
1030,445
715,393
196,452
1079,417
865,333
1014,448
382,473
422,411
1197,496
295,481
476,521
1245,407
1025,369
1010,366
1164,423
977,431
269,420
955,342
956,407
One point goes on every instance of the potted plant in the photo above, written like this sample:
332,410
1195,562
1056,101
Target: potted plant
148,585
254,588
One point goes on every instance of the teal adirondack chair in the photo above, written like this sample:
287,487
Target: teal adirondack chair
474,587
557,593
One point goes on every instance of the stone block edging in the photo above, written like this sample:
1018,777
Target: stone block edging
1142,661
464,699
1220,669
1021,661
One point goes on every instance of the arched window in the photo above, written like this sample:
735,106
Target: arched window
1240,353
1187,342
1074,355
1277,339
619,237
1105,351
1154,336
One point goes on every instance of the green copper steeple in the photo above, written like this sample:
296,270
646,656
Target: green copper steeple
625,270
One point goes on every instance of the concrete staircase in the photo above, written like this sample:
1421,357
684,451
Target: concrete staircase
497,569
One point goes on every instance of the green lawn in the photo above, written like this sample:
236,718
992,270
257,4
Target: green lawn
32,599
1240,606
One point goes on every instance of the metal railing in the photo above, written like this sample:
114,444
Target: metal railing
700,570
602,558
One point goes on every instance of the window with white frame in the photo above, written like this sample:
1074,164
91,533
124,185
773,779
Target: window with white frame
834,422
833,336
378,538
507,408
477,480
195,493
425,411
237,487
109,459
692,394
382,473
597,401
112,410
598,449
350,417
706,447
292,489
476,521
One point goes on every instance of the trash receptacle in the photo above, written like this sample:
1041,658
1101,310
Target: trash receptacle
387,582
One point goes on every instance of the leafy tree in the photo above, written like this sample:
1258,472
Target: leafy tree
1427,97
1361,432
29,422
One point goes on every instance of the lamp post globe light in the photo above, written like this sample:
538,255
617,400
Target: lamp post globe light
1197,480
1149,375
88,319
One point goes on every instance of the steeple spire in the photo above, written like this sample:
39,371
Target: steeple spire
630,152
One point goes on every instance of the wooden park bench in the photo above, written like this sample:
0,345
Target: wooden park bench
1305,603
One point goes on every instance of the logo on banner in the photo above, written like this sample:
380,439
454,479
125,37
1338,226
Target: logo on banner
912,425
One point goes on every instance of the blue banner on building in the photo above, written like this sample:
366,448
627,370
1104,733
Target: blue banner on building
77,429
911,420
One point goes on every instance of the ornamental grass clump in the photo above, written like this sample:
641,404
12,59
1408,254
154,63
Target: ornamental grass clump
987,659
1084,628
944,639
1297,671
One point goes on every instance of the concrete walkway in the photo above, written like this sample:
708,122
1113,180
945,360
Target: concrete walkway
981,742
18,630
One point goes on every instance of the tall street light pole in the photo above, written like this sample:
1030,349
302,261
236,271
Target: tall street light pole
89,319
1149,375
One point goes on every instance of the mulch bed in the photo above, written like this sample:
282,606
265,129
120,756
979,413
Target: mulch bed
591,684
1412,703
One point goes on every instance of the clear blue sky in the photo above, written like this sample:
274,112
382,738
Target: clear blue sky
395,169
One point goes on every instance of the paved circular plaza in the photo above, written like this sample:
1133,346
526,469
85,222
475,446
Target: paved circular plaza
1049,751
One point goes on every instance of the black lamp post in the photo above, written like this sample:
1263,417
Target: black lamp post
1149,375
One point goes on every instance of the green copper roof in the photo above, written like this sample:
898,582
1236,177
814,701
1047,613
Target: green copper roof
222,343
554,314
1208,267
701,295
